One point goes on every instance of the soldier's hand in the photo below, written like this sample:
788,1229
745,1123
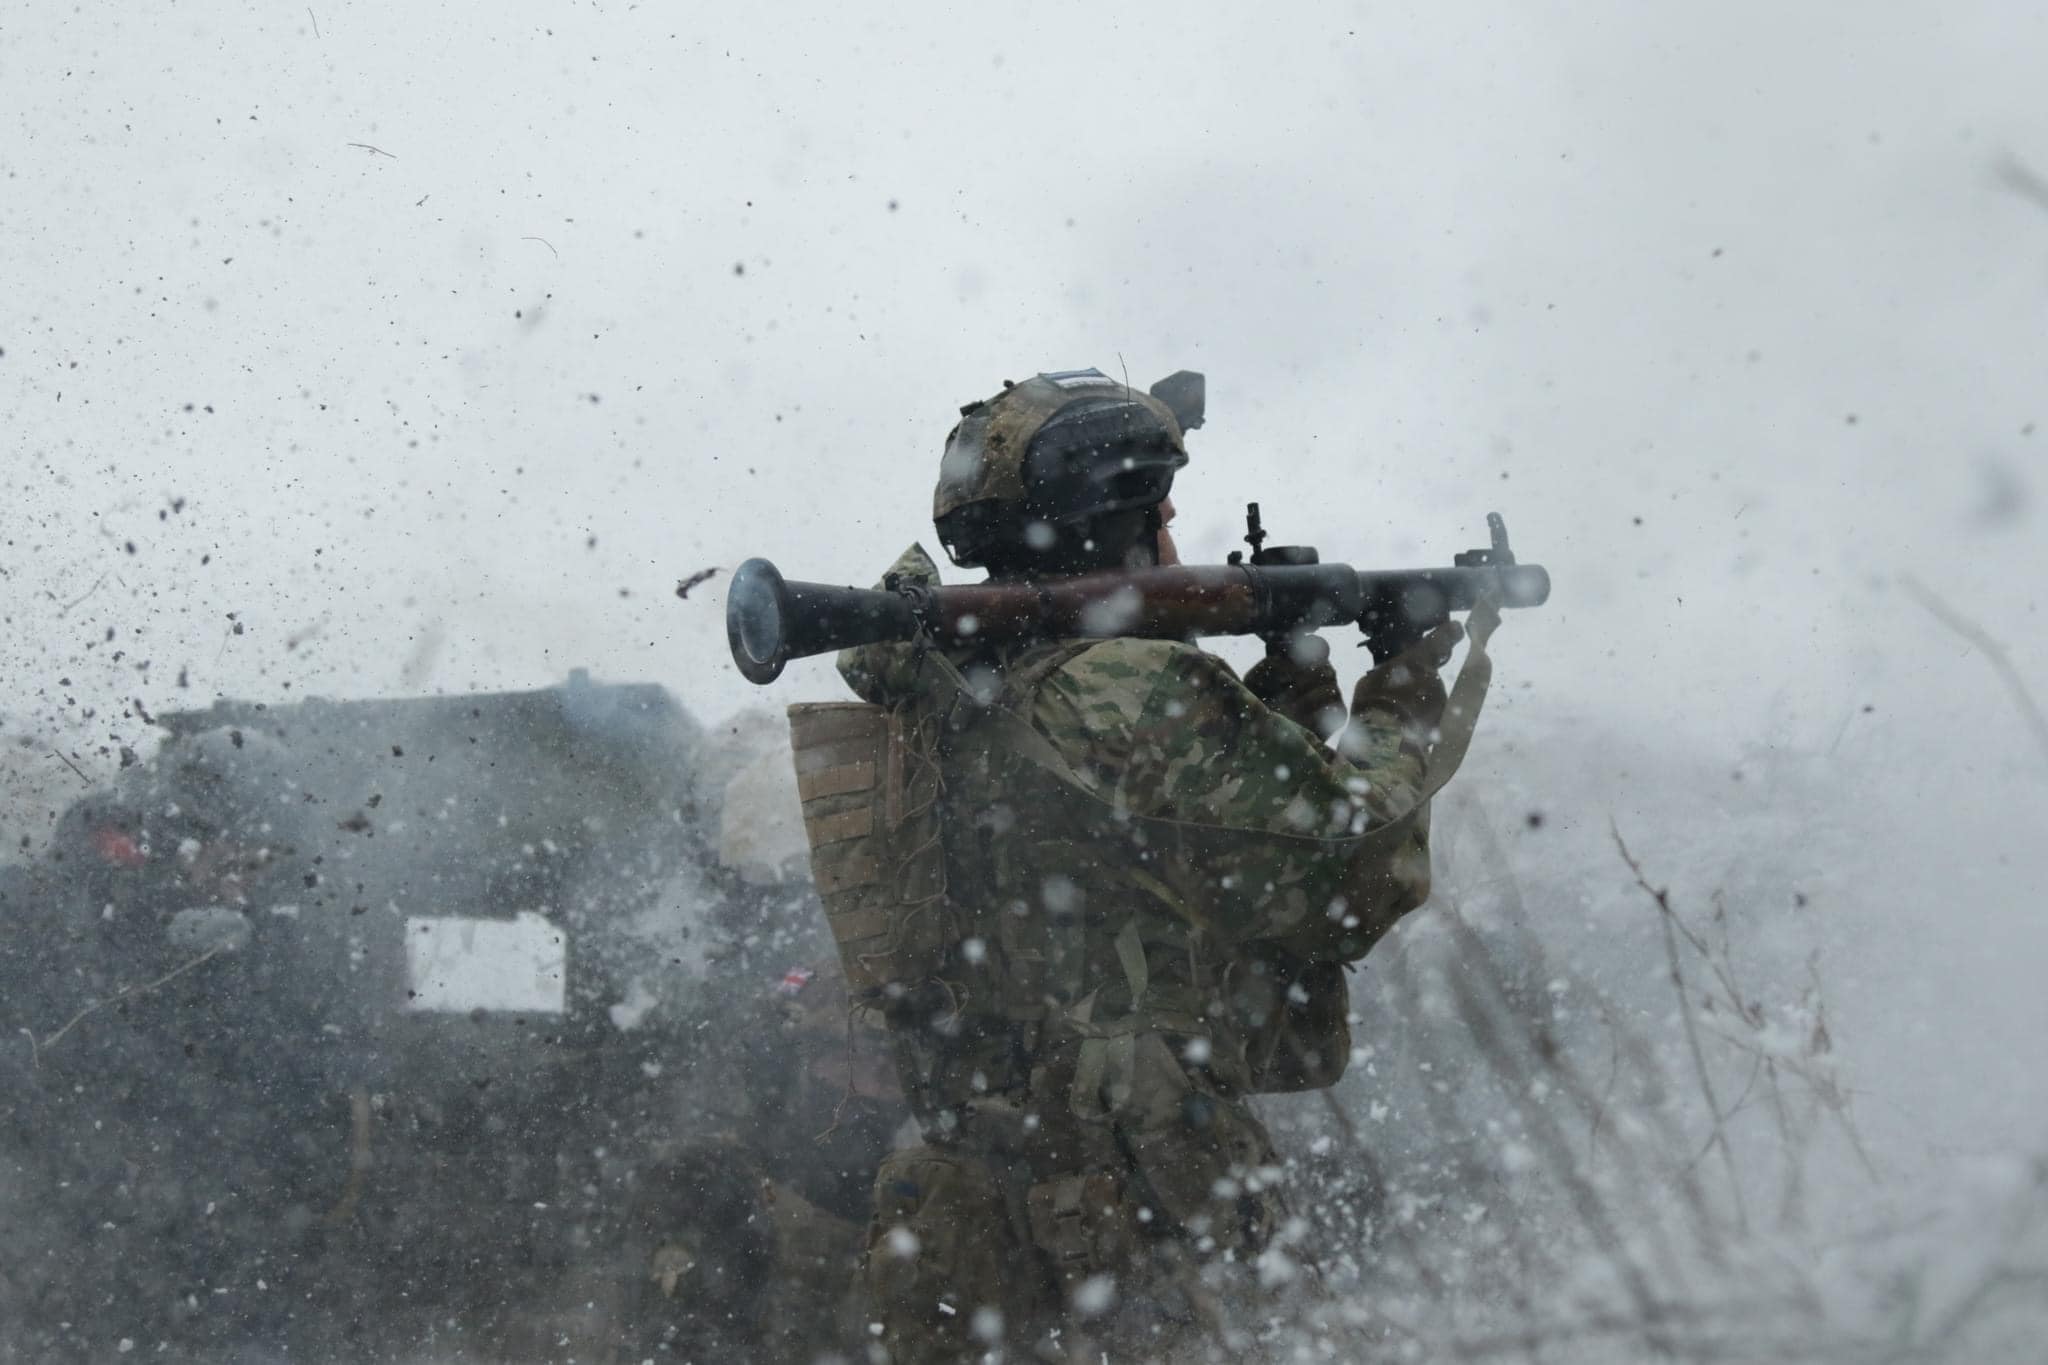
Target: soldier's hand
1482,622
1408,683
1296,680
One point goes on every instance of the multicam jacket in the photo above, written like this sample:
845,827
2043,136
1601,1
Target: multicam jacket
1135,843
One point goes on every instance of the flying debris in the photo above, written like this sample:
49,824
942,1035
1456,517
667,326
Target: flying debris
683,585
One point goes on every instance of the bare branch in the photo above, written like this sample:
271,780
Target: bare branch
73,766
66,608
1992,651
126,991
1666,915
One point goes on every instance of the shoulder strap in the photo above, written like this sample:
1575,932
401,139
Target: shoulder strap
1019,683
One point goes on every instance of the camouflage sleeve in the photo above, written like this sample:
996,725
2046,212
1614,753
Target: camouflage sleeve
882,673
1168,732
1197,746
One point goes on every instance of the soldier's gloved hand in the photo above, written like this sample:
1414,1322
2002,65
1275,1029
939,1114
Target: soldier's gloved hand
1407,684
1296,679
1387,633
1482,622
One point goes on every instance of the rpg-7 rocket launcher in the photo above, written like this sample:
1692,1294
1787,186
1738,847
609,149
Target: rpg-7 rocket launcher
1275,592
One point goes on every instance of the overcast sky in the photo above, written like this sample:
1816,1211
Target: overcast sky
410,309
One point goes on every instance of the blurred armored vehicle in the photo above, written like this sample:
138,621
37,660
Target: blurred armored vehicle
471,1027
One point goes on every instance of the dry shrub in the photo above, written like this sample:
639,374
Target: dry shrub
1577,1178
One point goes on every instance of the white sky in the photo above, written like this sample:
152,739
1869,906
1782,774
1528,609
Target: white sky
1433,263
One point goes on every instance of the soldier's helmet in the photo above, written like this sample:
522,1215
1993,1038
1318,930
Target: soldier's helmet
1057,452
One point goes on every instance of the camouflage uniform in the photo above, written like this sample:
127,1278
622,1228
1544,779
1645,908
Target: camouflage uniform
749,1224
1155,881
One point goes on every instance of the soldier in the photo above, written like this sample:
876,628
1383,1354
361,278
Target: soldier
1152,878
749,1228
747,1225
